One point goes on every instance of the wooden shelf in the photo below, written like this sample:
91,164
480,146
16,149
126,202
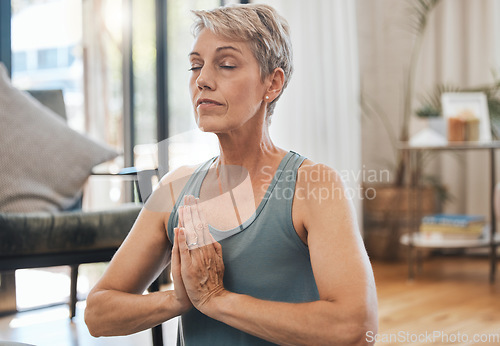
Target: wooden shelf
452,146
416,240
423,241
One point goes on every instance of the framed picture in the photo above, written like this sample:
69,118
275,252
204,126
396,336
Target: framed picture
471,108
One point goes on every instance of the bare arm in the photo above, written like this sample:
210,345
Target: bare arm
347,308
116,305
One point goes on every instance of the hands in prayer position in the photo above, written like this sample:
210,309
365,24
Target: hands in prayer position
197,265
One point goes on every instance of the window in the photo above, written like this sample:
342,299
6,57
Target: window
187,144
19,61
47,58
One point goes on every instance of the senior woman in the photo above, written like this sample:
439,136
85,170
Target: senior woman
257,257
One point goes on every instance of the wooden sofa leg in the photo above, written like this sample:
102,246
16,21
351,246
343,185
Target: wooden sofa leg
72,297
7,292
157,332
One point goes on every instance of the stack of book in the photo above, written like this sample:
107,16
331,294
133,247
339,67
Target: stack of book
452,226
463,127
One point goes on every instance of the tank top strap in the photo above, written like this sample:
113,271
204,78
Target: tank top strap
281,199
288,177
294,164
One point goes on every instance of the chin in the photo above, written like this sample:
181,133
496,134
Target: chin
212,129
213,124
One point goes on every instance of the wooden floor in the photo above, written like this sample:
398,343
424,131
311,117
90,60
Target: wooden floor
449,302
52,327
451,298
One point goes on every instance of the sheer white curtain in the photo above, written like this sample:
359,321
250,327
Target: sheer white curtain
496,30
461,49
318,115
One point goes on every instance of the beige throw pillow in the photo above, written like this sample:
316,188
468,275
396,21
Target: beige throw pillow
43,162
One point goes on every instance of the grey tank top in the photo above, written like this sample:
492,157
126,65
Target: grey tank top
263,258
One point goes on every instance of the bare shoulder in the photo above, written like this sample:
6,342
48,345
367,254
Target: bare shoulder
324,204
317,192
317,170
317,182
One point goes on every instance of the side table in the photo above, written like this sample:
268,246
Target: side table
414,240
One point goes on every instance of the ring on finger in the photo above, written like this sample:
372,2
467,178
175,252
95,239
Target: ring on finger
194,243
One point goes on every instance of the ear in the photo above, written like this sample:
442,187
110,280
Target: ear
276,81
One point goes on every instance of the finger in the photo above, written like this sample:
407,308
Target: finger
191,235
185,257
176,231
175,251
186,214
207,237
219,262
176,260
199,224
180,212
217,246
186,200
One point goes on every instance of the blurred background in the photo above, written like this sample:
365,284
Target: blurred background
369,76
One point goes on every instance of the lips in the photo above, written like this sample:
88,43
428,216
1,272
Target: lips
207,102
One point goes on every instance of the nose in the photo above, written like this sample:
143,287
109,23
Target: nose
205,79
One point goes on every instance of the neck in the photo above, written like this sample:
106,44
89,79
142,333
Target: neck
247,149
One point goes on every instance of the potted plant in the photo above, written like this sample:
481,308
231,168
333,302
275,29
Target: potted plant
390,206
432,102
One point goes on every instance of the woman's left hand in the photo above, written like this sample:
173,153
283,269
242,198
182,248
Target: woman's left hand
202,268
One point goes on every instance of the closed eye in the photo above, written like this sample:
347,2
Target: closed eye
194,68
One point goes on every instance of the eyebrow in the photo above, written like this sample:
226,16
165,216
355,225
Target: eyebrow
218,49
228,47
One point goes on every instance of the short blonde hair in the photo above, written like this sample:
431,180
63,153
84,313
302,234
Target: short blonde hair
266,32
